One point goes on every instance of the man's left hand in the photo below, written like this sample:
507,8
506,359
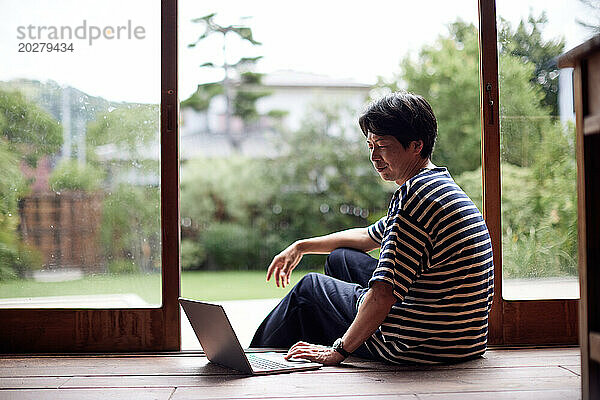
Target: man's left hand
314,352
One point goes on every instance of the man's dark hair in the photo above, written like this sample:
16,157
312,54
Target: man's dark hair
405,116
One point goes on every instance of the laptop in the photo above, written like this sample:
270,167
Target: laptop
221,345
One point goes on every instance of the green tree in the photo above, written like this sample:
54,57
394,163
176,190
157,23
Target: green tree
248,91
539,209
130,228
240,86
201,98
529,47
29,130
523,121
129,128
12,183
71,175
226,208
446,74
27,133
233,190
12,187
119,143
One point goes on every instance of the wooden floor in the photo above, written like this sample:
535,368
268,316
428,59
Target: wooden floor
539,374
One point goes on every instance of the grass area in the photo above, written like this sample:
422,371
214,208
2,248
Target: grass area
145,286
233,285
204,285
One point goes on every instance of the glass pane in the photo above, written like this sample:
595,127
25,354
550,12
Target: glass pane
271,150
79,118
538,168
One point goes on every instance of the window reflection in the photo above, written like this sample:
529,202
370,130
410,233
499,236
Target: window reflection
538,168
79,149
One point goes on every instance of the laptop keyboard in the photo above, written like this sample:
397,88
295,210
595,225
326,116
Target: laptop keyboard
261,363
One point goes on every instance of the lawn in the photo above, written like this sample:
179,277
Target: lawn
233,285
212,286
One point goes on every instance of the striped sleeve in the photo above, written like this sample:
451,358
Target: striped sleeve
377,229
404,251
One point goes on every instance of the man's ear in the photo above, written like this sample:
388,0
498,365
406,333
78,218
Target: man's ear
416,146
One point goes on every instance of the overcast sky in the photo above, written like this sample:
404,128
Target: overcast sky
336,38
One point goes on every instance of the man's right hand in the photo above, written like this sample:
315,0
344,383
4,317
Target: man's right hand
283,264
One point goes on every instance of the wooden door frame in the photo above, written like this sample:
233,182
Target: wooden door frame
511,322
132,329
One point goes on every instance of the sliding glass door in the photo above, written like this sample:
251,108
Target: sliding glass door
529,169
88,147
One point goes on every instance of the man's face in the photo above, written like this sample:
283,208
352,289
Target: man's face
391,160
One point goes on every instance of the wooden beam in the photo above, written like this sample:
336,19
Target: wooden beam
93,330
591,125
572,57
540,322
490,154
171,260
594,345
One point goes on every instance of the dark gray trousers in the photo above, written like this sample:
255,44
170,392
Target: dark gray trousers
320,308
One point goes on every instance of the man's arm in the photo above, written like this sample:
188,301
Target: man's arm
282,265
355,238
371,314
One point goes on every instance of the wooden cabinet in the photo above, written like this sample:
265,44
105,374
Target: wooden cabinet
585,59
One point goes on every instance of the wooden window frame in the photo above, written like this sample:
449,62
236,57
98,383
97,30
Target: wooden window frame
132,329
511,322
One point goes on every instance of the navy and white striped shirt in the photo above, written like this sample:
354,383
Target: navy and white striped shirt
437,255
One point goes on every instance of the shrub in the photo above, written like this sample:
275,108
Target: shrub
16,258
71,175
130,227
122,266
6,272
232,246
539,220
193,254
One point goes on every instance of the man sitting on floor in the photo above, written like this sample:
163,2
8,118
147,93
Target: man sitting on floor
427,298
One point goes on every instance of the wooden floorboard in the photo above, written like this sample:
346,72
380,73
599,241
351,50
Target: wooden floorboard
501,374
88,394
576,369
507,395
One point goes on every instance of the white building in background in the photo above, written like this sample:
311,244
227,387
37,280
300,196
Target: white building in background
202,134
296,93
566,109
